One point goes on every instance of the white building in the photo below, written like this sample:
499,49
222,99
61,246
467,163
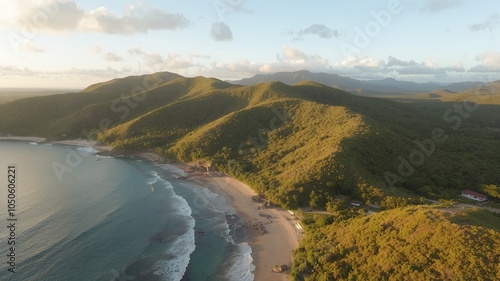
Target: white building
473,195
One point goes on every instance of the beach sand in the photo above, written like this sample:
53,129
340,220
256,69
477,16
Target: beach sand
31,139
84,142
271,232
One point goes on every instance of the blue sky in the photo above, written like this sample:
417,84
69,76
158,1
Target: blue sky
74,43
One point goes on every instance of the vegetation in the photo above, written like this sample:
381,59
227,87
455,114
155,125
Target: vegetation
413,243
311,145
305,144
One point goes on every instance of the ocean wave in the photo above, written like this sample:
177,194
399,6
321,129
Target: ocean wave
34,143
154,178
204,199
240,265
173,170
174,269
86,150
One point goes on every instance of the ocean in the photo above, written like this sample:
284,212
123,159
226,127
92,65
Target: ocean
81,216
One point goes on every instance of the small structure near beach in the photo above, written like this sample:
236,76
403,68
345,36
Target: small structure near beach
473,195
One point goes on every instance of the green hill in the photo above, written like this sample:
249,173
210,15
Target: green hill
284,140
308,144
413,243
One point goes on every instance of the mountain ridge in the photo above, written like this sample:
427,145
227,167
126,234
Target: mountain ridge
280,138
367,87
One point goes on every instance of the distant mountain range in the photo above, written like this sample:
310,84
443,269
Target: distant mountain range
388,86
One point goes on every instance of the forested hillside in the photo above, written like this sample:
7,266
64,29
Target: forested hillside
301,145
308,144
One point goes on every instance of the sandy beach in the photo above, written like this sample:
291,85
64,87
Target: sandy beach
31,139
271,232
272,235
75,142
85,142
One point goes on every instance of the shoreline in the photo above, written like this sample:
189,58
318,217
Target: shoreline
270,232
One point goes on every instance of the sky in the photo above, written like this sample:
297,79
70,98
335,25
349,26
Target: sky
75,43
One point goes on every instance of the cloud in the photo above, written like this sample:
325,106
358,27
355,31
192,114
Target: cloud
392,61
290,59
243,66
28,46
172,61
221,32
57,15
8,70
135,51
177,61
429,67
320,30
292,54
135,20
109,56
364,63
107,72
96,49
490,24
293,59
490,62
441,5
53,15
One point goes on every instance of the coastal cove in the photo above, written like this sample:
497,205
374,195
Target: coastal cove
269,233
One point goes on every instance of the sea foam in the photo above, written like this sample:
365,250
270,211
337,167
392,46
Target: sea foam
239,266
181,248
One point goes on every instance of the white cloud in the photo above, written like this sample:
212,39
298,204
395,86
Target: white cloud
110,56
96,49
243,66
221,32
155,61
490,24
354,62
135,20
58,15
8,70
490,62
28,46
177,61
107,72
295,55
428,67
441,5
49,15
320,30
135,51
294,59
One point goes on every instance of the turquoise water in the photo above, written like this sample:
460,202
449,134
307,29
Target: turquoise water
86,217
